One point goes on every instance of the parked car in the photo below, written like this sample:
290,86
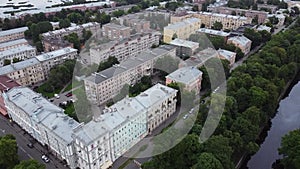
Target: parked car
185,116
45,158
69,94
56,96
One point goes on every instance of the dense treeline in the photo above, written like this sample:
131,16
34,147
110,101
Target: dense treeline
252,96
9,155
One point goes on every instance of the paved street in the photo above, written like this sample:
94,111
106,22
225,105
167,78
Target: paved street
23,139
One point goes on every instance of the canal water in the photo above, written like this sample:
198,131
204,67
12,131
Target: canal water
286,119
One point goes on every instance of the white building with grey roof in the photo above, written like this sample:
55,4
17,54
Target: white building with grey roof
103,140
12,34
190,77
184,48
20,53
200,58
104,85
43,120
228,55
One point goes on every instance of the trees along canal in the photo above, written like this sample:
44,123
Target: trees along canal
253,93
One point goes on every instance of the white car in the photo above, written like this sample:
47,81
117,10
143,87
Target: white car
56,96
185,116
45,158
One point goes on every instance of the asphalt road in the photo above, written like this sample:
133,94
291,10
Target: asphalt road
23,139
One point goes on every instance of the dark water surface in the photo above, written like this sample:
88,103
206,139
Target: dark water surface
286,119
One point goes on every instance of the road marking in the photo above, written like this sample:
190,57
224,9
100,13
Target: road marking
25,152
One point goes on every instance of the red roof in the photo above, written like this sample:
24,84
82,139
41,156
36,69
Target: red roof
7,83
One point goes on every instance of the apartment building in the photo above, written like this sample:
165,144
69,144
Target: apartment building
91,26
261,15
212,32
241,42
12,34
26,73
181,30
6,84
190,77
55,44
208,19
184,48
13,44
103,86
125,48
115,32
57,57
228,55
103,140
36,69
43,120
135,23
20,53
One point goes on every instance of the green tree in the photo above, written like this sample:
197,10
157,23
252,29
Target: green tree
290,149
107,64
73,38
6,62
8,152
174,36
64,23
208,161
217,25
30,164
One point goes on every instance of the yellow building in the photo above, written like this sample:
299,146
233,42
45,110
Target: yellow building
181,30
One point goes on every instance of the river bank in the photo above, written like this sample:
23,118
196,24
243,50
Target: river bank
267,129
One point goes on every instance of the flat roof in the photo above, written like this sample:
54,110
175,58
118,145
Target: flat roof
185,75
43,111
240,40
184,43
121,112
19,49
13,31
183,23
18,66
201,57
226,53
115,26
12,43
213,32
129,63
56,53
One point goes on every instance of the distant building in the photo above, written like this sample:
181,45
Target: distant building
190,77
13,44
212,32
228,55
115,32
44,121
102,86
135,23
261,15
184,47
12,34
181,30
272,8
125,48
241,42
6,84
61,33
20,53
